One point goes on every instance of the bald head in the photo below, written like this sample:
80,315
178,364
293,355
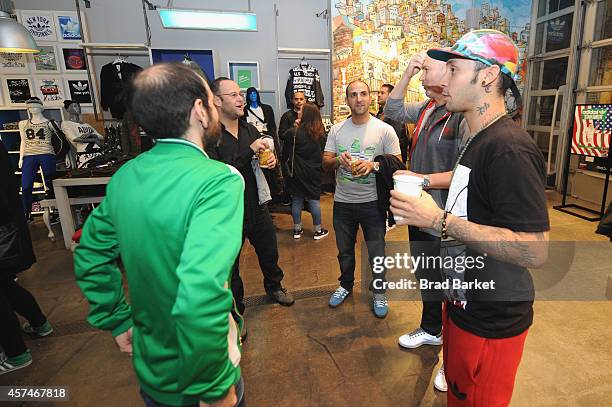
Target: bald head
162,97
431,75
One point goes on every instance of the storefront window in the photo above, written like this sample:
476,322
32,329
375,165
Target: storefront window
556,5
599,97
539,39
601,67
559,32
537,71
555,73
603,25
541,110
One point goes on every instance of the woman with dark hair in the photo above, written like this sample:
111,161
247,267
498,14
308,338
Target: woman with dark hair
16,255
303,146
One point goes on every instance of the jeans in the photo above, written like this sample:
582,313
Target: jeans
149,402
15,298
28,175
425,245
347,219
297,204
262,235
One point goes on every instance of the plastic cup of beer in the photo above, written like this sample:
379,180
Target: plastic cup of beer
407,184
264,156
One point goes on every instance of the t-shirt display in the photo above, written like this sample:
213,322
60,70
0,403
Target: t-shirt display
38,138
498,182
114,79
365,142
84,139
304,78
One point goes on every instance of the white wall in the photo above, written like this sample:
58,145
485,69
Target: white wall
122,21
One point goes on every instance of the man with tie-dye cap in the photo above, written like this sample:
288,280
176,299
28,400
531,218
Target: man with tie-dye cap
494,226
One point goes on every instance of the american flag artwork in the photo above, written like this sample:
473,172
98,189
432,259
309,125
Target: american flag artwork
592,130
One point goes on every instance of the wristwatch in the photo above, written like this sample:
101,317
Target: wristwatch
426,182
376,166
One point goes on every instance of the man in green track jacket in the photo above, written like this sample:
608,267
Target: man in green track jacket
174,217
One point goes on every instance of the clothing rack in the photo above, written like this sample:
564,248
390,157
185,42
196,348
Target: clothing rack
88,47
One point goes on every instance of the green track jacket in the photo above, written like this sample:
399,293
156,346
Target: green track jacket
174,217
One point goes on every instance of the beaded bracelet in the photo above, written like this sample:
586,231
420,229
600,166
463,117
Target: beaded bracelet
443,233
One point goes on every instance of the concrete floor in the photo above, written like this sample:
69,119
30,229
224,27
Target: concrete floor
311,355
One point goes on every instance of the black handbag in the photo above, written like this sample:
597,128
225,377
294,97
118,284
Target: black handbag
10,252
60,144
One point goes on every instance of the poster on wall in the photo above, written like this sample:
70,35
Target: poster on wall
40,24
13,63
245,74
199,60
17,90
69,28
373,40
592,130
46,60
73,59
50,89
78,89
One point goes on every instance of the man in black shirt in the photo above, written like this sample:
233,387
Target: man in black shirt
288,118
399,127
495,224
239,143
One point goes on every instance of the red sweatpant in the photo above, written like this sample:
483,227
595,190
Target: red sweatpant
480,372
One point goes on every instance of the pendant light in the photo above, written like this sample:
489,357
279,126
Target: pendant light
14,37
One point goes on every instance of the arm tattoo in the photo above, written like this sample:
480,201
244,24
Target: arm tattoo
522,249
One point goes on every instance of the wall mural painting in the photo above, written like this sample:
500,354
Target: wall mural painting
373,40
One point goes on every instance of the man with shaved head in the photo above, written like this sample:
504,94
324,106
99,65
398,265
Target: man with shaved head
174,217
435,146
350,150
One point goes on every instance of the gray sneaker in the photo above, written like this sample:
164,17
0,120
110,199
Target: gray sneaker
282,297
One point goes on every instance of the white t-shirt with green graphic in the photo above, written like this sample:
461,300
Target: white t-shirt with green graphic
364,141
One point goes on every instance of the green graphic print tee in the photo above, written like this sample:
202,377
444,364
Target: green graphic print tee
365,142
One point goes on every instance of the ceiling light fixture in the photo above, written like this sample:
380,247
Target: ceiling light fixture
208,20
14,37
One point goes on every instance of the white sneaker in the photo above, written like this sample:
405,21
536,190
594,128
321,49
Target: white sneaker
440,380
419,337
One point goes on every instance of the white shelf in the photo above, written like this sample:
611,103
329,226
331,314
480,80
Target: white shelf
13,152
9,131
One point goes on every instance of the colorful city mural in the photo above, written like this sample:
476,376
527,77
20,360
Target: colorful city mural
373,40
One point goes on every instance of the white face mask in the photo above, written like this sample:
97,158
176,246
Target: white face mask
36,109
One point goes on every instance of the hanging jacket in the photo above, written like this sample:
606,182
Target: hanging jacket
304,78
384,181
113,87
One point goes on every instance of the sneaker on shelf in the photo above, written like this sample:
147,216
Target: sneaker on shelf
8,365
44,330
440,380
380,305
321,234
419,337
338,297
282,297
298,233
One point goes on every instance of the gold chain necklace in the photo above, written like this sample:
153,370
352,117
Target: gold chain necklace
473,136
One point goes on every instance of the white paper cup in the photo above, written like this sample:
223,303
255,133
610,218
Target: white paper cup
409,185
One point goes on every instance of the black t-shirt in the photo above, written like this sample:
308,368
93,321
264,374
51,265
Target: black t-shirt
238,153
500,181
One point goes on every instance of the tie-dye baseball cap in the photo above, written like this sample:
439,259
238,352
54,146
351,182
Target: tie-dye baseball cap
491,47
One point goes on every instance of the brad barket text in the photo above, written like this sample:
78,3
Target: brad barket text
424,284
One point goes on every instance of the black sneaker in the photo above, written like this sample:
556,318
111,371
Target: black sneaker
321,234
298,233
282,297
54,219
